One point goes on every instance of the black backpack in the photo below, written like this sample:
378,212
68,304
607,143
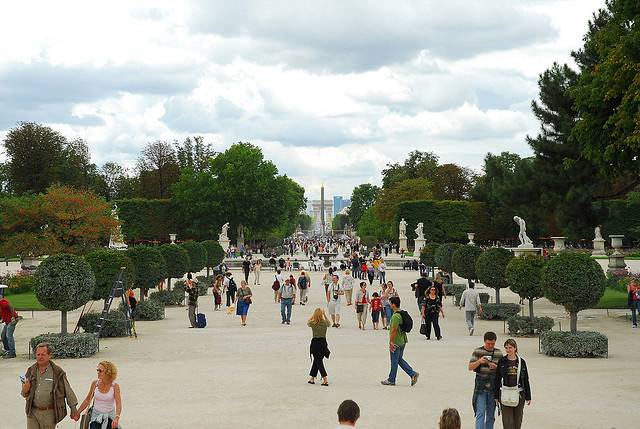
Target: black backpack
407,322
232,285
302,282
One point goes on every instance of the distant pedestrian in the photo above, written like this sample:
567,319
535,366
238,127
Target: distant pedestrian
217,292
192,291
440,284
105,395
246,268
633,301
257,268
382,271
278,281
348,414
335,298
512,377
326,281
450,419
397,343
484,362
244,301
230,288
362,305
376,309
304,283
318,349
389,293
286,297
347,285
431,309
420,288
470,300
10,318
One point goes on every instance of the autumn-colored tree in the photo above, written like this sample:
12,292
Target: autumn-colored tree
386,206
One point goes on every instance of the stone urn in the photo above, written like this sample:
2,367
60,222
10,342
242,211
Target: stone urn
616,259
172,237
558,243
471,236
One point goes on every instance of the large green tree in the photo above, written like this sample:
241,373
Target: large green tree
194,154
158,169
417,164
362,197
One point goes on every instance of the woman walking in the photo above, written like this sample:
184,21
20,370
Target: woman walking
318,348
512,387
257,267
326,281
362,305
105,394
389,292
217,292
243,301
382,271
431,308
335,292
347,285
438,282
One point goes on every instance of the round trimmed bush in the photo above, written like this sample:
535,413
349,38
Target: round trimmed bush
575,281
116,325
68,345
490,268
524,326
177,259
64,282
428,254
151,268
106,264
215,254
574,344
169,297
464,261
524,277
151,309
444,254
197,255
499,311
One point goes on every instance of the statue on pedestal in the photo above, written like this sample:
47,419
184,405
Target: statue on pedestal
419,231
116,240
403,229
522,234
598,234
223,234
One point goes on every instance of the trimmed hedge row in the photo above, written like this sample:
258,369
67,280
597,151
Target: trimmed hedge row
116,325
499,311
574,345
151,309
144,219
524,326
69,345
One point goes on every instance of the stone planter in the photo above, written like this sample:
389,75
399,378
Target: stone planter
558,243
471,236
616,259
172,237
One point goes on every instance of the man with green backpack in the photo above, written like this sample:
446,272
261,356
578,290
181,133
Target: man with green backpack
400,324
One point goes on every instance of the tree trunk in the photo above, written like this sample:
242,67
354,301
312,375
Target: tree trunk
207,271
63,322
574,321
169,284
497,295
142,294
531,308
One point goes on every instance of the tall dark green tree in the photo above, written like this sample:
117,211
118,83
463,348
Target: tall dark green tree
362,197
194,154
418,164
158,169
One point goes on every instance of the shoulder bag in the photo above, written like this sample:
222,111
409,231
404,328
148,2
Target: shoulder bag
510,395
85,419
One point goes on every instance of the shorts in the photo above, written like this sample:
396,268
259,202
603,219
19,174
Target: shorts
375,316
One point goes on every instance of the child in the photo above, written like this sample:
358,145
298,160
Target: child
376,307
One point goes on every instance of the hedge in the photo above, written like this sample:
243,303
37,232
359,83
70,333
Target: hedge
116,325
144,219
150,309
69,345
169,297
523,326
499,311
574,344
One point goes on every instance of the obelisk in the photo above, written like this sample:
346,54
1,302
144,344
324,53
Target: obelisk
322,209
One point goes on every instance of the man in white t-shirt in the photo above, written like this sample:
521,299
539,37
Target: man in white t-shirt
471,301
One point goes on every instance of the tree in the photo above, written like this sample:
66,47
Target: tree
444,255
75,168
575,281
464,260
106,265
158,169
452,182
388,199
215,254
417,165
197,255
370,225
116,183
151,267
491,268
362,197
524,277
5,183
428,254
177,259
339,222
64,282
194,154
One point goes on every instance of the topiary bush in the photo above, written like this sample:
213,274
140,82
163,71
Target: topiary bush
499,311
106,264
575,281
64,282
524,277
490,268
116,325
197,255
428,254
444,254
524,326
215,254
151,309
574,344
455,290
177,259
68,345
169,297
151,267
464,261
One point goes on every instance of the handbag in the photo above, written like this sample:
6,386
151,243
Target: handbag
423,328
85,419
510,395
359,308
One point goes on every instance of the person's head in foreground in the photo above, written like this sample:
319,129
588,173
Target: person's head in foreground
450,419
348,413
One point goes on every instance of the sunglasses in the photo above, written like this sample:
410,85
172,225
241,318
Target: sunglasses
99,370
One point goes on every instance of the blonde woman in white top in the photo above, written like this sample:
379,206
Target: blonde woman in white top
105,395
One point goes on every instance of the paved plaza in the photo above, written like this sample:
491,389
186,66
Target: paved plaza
229,376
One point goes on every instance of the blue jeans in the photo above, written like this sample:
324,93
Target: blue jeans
396,359
635,308
485,410
382,275
8,342
285,304
389,312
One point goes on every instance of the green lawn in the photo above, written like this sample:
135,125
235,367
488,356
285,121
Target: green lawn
612,299
25,301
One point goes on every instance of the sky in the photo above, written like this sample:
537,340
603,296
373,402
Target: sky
330,90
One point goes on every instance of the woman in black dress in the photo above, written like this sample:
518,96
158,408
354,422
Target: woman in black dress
431,309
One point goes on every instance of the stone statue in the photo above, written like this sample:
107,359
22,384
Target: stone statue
598,233
223,234
522,234
403,229
116,239
419,232
114,211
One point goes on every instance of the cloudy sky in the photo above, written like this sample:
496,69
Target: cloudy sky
330,90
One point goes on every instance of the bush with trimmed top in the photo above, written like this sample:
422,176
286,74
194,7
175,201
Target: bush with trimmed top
428,254
68,345
177,260
524,277
215,254
582,344
464,260
115,326
169,297
106,264
490,268
524,326
197,255
499,311
151,267
151,309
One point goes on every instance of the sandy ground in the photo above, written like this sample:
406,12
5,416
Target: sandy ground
228,376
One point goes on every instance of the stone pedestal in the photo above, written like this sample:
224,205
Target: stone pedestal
520,251
224,243
471,236
419,244
616,259
558,243
403,243
598,247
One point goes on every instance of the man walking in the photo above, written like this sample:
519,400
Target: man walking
484,361
46,388
304,283
348,414
286,296
10,318
420,287
246,268
229,285
192,291
397,343
470,300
